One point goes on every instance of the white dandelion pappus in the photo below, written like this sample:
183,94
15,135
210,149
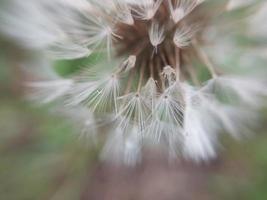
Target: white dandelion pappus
146,9
150,93
200,129
183,36
90,31
68,50
123,147
156,34
123,12
167,118
232,119
248,91
98,96
36,30
134,112
100,92
48,91
205,118
181,8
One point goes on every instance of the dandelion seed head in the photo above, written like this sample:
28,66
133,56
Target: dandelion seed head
148,83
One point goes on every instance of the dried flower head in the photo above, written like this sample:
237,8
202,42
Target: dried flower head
148,88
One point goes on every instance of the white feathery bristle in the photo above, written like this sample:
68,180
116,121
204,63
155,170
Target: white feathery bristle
235,4
181,8
87,29
248,90
159,130
166,119
100,96
123,12
146,9
80,92
28,24
123,147
135,110
132,150
149,91
68,50
199,128
170,108
183,35
80,4
236,121
156,34
48,91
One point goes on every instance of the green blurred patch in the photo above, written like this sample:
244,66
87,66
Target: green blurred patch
69,67
40,155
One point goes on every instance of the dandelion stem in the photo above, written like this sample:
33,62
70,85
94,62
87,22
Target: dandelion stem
142,73
158,70
163,58
168,49
177,63
130,81
151,69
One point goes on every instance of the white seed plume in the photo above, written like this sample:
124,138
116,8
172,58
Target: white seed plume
134,112
68,50
200,138
181,8
183,36
28,24
249,91
166,118
146,9
156,34
48,91
124,12
121,146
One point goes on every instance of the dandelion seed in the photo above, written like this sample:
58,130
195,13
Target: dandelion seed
124,12
181,8
123,147
135,110
183,36
150,93
68,51
48,91
169,75
147,9
156,34
166,118
248,90
200,138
